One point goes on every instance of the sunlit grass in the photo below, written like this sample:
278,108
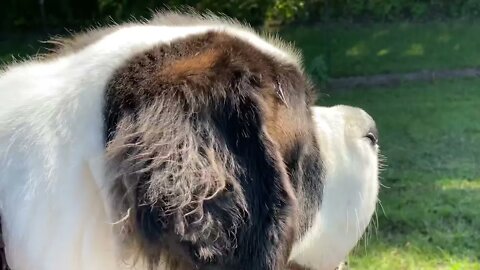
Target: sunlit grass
389,48
460,184
430,134
411,257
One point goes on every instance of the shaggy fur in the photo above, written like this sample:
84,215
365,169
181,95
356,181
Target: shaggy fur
210,168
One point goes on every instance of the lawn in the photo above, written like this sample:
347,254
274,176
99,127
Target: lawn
389,48
430,134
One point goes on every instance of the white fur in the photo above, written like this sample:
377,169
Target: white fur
350,191
53,191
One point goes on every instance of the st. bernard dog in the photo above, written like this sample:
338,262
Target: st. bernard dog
185,142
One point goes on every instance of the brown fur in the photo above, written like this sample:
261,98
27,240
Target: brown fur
196,66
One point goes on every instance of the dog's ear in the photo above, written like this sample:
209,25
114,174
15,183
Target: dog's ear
196,167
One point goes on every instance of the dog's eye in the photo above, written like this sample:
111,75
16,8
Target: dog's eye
372,137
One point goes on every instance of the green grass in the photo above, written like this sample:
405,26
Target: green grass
430,134
389,48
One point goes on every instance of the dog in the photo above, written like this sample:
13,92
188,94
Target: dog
183,142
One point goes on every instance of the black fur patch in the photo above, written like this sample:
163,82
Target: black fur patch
305,166
3,260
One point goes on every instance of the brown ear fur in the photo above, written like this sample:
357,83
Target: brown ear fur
193,68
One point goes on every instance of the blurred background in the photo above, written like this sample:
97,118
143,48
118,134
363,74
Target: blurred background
412,64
